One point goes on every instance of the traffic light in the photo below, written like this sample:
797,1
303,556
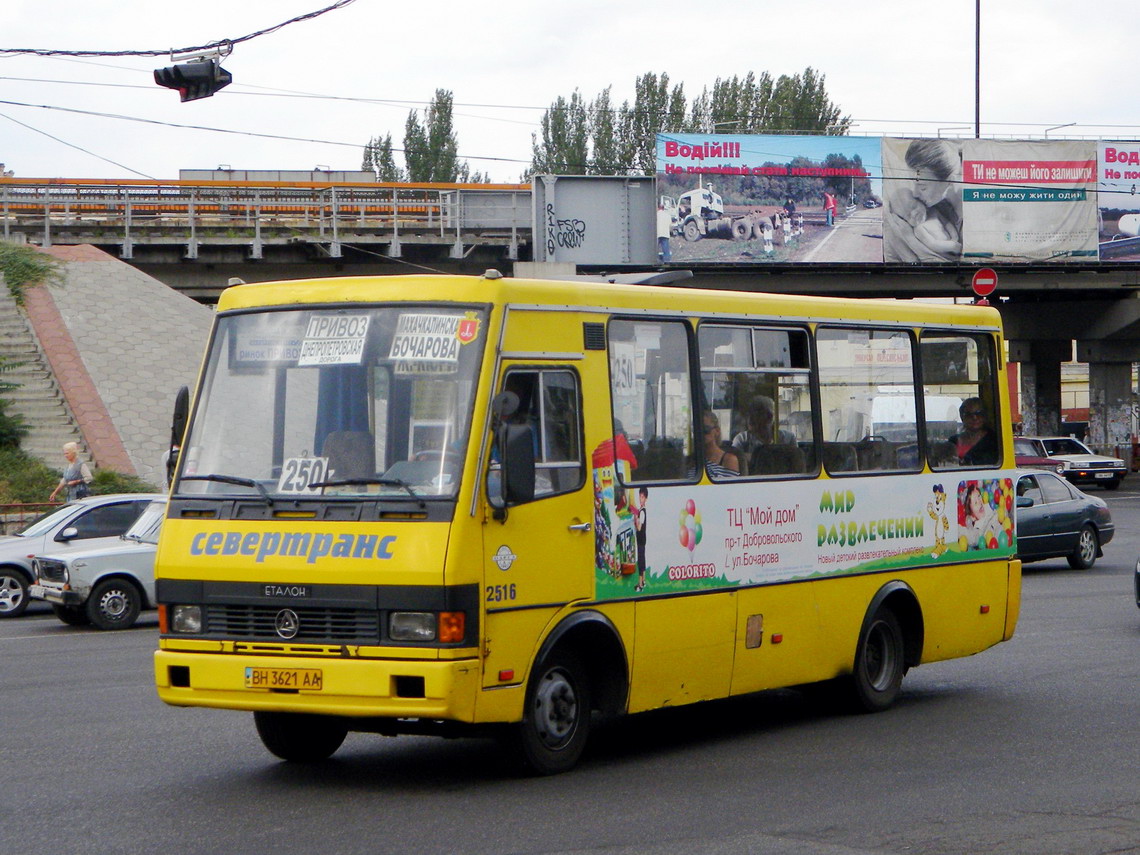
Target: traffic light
194,80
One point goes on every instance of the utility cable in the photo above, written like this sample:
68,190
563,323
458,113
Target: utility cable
77,147
221,43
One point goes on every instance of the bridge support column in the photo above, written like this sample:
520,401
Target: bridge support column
1040,386
1110,394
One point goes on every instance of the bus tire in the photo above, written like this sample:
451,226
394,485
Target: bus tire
299,737
556,719
880,663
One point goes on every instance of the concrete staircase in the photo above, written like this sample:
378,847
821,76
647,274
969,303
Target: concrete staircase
37,397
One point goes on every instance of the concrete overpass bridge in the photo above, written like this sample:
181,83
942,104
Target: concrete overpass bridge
196,235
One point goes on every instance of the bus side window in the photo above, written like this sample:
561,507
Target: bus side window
651,391
960,399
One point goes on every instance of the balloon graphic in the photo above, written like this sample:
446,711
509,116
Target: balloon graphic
691,528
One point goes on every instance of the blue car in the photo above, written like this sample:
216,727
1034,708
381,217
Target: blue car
1056,520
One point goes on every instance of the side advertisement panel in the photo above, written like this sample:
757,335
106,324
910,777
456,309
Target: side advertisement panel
661,540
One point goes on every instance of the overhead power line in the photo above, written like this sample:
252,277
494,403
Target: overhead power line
228,130
221,43
76,147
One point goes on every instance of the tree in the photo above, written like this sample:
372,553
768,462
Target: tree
801,105
431,149
378,159
623,141
565,138
611,151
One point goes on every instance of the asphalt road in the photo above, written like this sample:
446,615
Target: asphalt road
1031,747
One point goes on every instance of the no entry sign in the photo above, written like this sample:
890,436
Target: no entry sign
984,282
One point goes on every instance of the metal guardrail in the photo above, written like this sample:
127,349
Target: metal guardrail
14,517
255,213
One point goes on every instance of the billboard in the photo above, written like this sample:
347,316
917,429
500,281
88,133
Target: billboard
1118,178
763,198
748,199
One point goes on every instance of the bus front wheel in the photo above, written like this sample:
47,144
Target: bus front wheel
879,663
556,718
299,737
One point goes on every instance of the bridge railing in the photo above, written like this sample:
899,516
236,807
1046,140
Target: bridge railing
216,211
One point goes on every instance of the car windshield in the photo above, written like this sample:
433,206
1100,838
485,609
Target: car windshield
46,522
1066,445
145,529
349,402
1025,447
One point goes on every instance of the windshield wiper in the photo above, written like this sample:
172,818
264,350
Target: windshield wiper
233,479
364,482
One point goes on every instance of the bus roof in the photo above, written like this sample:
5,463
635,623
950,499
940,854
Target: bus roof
590,294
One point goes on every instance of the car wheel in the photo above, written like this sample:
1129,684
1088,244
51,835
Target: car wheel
71,615
556,719
880,663
1113,484
114,604
299,737
1084,555
13,592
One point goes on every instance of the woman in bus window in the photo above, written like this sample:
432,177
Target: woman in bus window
977,444
719,461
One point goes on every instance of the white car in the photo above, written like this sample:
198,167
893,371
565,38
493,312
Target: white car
96,521
106,586
1079,464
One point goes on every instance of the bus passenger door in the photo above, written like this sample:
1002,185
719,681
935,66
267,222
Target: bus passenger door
540,556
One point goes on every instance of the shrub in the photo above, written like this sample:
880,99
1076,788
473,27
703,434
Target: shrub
108,481
29,479
25,478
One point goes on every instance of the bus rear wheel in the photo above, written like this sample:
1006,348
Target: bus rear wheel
556,719
879,663
299,737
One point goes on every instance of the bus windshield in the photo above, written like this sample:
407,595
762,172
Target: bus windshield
352,401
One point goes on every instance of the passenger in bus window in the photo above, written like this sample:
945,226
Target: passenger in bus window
976,444
761,413
720,462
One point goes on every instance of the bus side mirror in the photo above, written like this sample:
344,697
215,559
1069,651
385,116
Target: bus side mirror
514,446
177,430
517,443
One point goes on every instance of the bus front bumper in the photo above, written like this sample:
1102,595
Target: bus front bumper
365,688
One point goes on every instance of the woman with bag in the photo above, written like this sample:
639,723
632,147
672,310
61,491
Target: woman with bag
76,475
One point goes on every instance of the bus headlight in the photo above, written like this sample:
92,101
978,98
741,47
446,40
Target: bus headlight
412,626
187,619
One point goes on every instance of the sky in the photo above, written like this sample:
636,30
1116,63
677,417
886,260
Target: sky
317,90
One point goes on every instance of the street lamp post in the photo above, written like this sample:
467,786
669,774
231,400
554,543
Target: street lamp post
977,69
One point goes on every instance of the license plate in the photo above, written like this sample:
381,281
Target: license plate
310,679
1102,475
36,591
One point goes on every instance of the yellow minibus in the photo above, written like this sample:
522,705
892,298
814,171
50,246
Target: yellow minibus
446,504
